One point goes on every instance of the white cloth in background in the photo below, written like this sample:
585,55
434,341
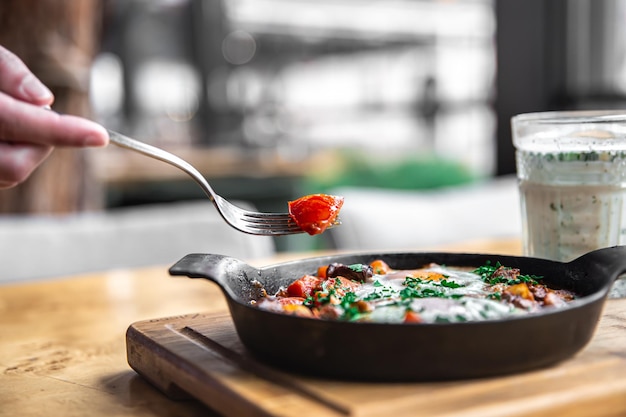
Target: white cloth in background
382,219
33,247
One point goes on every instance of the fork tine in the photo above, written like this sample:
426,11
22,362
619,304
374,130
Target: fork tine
269,216
289,222
283,228
276,220
275,230
263,218
259,229
257,223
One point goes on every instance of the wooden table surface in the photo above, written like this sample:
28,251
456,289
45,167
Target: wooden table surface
62,341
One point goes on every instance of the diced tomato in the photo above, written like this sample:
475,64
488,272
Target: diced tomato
380,267
345,285
322,271
412,317
304,286
330,291
316,212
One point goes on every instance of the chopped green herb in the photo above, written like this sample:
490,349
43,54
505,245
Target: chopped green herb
442,319
450,284
413,292
373,296
487,273
495,296
383,292
350,310
412,281
309,301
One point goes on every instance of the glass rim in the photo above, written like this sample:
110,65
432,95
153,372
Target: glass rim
571,116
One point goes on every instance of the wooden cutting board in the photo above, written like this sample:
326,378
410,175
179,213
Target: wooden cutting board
201,356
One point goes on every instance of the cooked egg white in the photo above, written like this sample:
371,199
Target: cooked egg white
462,297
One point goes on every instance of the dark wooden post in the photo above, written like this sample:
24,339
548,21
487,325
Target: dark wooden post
57,40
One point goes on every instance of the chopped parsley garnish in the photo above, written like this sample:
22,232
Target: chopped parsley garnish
381,292
442,319
349,298
347,304
309,301
357,267
412,282
324,294
495,296
499,274
338,298
450,284
419,288
486,270
416,292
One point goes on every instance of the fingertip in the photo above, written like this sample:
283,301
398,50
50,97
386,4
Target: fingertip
83,131
98,137
96,140
35,91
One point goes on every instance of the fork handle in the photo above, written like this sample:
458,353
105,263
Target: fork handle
162,155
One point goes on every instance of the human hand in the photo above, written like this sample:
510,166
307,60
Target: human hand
28,132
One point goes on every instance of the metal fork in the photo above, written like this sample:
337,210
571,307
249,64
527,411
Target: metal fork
251,222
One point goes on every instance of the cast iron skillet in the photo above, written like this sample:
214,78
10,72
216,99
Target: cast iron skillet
413,352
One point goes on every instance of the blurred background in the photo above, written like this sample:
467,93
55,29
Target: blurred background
274,99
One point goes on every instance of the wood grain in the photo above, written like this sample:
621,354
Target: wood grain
200,354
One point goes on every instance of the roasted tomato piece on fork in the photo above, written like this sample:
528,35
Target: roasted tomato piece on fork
316,212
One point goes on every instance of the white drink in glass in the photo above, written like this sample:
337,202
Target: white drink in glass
571,168
571,203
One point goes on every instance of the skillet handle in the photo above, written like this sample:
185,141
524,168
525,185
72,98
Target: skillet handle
610,261
234,276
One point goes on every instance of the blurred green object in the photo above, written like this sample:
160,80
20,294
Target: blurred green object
357,169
